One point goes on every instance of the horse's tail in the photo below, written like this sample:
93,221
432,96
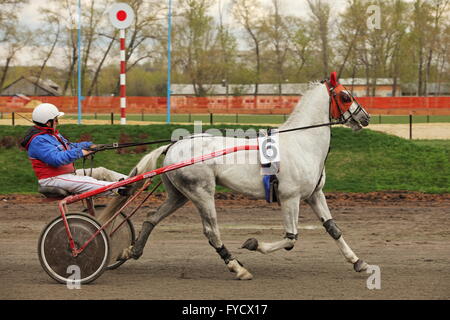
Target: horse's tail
147,163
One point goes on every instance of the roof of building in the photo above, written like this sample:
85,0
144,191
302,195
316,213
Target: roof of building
242,89
363,81
265,88
45,84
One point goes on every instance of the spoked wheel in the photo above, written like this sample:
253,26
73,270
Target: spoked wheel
120,239
55,254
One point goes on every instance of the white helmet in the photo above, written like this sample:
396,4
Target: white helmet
45,112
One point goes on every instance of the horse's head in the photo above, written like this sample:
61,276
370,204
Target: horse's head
344,107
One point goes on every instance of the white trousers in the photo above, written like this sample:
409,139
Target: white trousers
80,183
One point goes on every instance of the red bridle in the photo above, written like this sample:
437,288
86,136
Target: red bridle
340,99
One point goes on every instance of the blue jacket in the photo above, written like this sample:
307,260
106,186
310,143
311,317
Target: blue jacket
50,153
49,150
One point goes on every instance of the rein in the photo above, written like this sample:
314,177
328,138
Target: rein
330,87
313,126
115,145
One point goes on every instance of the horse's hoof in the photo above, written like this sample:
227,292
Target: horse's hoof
241,273
126,254
129,253
289,248
136,255
244,275
360,265
251,244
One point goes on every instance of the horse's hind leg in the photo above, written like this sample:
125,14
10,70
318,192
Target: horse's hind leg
208,214
201,193
174,201
319,205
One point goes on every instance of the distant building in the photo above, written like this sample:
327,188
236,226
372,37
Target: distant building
30,86
357,86
383,88
240,89
433,89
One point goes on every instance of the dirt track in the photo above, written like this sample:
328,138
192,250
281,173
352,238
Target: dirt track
407,235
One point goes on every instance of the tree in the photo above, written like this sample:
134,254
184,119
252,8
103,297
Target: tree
13,36
63,11
350,35
276,32
227,48
300,46
399,15
94,82
443,57
50,35
247,14
321,11
196,44
438,10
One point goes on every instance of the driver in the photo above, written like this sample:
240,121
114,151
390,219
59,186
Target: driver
52,156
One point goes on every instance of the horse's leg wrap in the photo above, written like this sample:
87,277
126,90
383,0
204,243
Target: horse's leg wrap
290,236
332,229
138,247
223,253
233,264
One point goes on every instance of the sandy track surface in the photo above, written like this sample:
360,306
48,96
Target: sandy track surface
407,236
419,130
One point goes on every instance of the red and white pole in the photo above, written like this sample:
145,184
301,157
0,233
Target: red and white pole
121,16
123,89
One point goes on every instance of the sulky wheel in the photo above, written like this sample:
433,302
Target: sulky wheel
55,253
122,238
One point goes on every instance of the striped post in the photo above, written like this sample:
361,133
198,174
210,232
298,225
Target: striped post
123,93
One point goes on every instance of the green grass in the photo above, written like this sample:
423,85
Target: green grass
371,161
358,162
444,144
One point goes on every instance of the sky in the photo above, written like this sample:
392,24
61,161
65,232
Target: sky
30,16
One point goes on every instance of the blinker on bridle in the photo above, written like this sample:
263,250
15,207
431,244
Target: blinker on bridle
341,100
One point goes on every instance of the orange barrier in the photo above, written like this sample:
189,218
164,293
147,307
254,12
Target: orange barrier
224,105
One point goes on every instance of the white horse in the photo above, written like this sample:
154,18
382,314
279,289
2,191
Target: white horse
301,175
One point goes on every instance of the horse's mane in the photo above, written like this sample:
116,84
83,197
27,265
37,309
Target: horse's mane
306,95
311,86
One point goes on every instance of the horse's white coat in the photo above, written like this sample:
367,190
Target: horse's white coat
301,175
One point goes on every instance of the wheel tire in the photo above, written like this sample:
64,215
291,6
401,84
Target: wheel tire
121,239
124,235
55,254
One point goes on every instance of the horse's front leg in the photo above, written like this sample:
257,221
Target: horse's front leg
319,205
290,210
